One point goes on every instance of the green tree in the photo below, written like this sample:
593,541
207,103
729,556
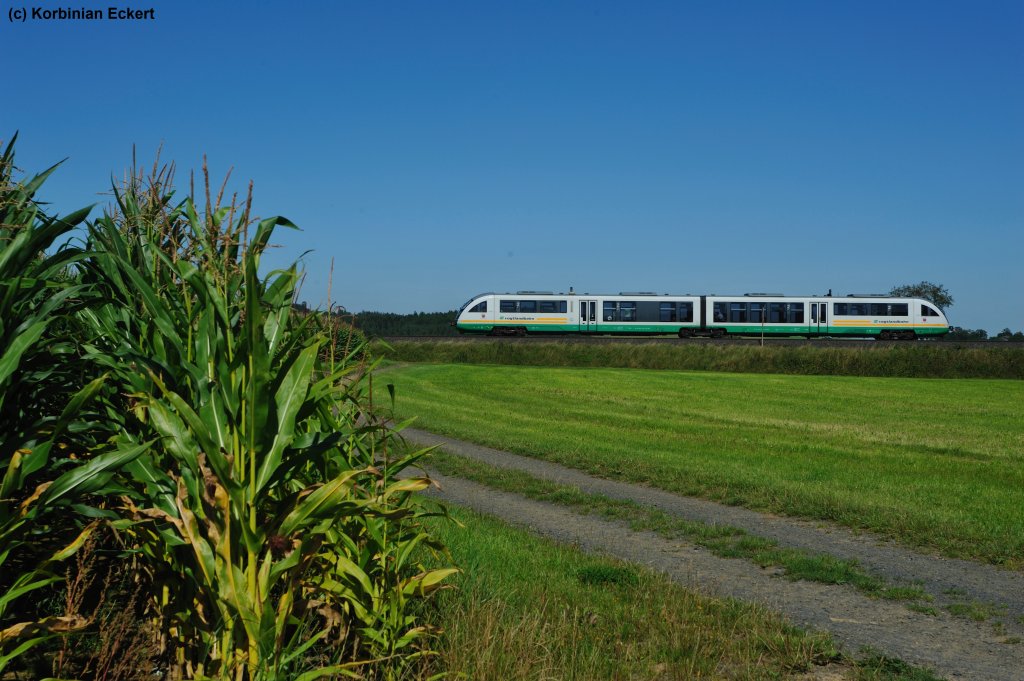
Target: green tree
957,333
1007,335
935,293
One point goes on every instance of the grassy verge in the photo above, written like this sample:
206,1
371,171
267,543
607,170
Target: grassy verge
857,358
722,540
937,463
525,608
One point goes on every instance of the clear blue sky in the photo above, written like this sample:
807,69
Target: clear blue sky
439,149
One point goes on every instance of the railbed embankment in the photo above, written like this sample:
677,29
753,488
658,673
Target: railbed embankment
849,358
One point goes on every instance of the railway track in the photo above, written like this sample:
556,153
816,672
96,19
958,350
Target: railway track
851,343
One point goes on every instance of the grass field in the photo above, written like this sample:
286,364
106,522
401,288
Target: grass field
932,463
525,608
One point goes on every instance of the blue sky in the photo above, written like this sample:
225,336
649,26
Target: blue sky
436,150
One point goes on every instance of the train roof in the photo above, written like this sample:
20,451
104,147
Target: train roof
653,294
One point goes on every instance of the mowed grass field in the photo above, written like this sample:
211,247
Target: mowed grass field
935,463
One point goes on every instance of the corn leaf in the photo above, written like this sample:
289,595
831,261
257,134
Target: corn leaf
22,342
322,502
89,477
289,398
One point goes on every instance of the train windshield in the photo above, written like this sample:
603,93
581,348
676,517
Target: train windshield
466,304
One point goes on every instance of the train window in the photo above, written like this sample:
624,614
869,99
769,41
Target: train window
880,309
720,311
527,305
737,312
610,313
686,312
840,308
507,306
667,312
627,312
795,312
757,313
551,306
928,312
859,309
776,313
899,310
563,306
479,307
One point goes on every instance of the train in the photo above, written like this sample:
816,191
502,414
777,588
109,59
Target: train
876,316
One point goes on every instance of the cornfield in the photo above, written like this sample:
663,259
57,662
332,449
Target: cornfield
163,409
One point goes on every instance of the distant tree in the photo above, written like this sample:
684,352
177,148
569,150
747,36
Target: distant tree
958,333
1007,335
927,290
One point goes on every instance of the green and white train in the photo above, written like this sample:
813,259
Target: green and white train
544,312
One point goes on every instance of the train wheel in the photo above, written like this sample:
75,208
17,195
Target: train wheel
885,335
718,333
685,333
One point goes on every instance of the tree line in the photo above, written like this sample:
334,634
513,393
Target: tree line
384,324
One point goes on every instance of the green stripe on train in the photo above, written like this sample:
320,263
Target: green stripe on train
746,330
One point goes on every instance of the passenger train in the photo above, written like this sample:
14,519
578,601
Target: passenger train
544,312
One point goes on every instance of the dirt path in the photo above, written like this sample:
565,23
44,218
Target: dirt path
952,647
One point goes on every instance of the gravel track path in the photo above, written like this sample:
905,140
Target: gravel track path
952,647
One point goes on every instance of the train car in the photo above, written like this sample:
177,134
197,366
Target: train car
539,312
645,313
862,316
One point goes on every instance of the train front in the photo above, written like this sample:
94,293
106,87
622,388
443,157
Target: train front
475,315
931,321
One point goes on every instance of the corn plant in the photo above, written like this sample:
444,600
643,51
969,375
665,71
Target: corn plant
267,511
43,398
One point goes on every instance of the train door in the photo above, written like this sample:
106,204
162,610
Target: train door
819,318
588,315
